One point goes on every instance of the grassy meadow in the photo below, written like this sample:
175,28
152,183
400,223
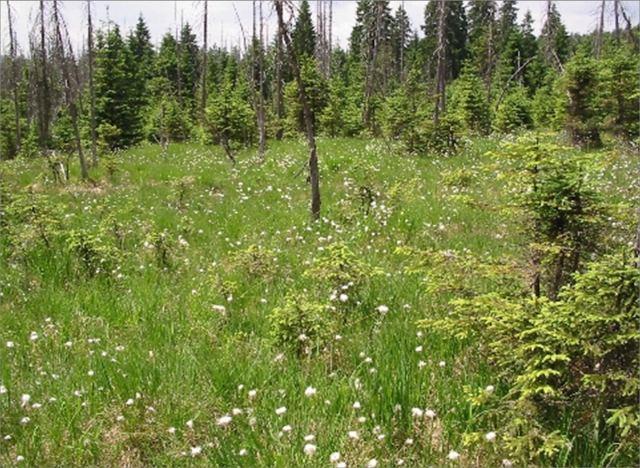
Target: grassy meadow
137,312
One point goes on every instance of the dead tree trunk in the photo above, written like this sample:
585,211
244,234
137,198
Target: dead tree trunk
45,95
330,44
279,90
14,72
262,131
92,91
68,91
314,175
600,32
203,103
441,71
616,18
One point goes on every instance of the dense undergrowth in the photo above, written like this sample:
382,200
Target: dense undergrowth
181,310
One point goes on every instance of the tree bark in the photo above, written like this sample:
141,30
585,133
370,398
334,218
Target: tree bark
92,91
262,131
616,17
441,70
314,175
69,98
279,90
203,103
600,32
16,78
45,101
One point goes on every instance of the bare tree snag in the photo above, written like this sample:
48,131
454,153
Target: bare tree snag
15,75
92,91
43,85
205,53
441,70
314,175
68,90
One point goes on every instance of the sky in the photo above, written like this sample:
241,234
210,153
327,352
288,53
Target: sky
162,16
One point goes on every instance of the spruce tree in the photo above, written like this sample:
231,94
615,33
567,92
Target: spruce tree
482,37
188,64
400,37
304,34
142,55
115,91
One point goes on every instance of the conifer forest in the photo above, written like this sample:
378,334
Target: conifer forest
406,236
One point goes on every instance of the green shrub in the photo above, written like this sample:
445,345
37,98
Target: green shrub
94,252
337,266
300,325
575,358
556,188
514,112
167,120
579,85
468,103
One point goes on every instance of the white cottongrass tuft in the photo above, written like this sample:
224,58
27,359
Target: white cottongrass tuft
309,449
453,455
224,421
310,391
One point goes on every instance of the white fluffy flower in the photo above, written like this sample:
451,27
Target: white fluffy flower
353,435
383,309
309,392
417,412
453,455
224,421
280,411
430,414
195,451
372,463
309,449
334,457
490,436
343,297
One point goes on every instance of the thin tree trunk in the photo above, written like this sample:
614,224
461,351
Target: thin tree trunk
45,105
203,103
69,98
441,71
14,72
279,90
314,175
262,131
92,91
616,17
330,34
600,31
178,54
